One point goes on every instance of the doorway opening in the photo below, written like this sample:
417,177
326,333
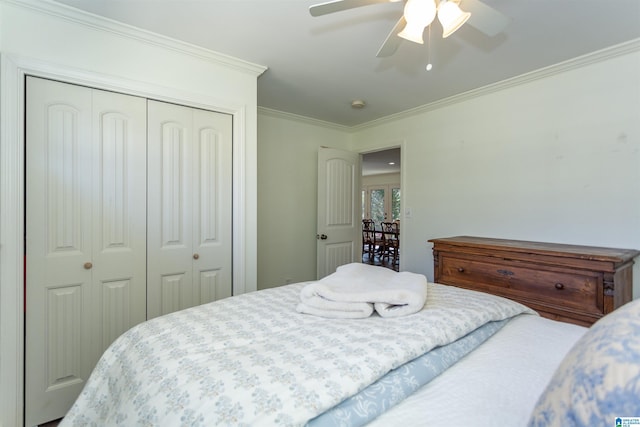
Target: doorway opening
381,196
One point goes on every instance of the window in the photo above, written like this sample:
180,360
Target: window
381,202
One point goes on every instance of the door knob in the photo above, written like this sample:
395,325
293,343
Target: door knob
88,265
196,256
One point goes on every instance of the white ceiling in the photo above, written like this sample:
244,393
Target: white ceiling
381,162
317,66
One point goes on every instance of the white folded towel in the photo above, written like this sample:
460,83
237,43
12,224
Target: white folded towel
356,289
319,306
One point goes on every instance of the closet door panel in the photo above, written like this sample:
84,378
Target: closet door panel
174,174
58,243
169,240
119,216
212,205
65,335
118,310
175,292
212,286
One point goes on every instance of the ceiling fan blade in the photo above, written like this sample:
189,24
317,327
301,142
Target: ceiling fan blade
485,18
392,41
340,5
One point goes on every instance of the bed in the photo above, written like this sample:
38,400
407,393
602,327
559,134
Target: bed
464,358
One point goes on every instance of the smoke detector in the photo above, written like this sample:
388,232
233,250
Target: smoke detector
357,104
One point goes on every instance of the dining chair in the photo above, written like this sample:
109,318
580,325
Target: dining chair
372,240
391,237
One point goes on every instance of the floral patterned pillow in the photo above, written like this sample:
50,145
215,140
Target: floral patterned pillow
599,379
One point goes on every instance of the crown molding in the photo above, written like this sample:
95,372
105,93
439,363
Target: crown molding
302,119
90,20
625,48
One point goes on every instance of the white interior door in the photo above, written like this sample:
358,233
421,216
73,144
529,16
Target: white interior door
190,207
339,225
85,235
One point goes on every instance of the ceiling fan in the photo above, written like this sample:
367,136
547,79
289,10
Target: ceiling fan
418,14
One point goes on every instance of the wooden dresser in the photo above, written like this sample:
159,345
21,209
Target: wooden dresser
576,284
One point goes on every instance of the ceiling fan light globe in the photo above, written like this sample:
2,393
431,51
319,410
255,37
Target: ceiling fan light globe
451,17
418,14
413,34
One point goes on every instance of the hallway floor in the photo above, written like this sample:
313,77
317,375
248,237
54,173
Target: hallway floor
381,261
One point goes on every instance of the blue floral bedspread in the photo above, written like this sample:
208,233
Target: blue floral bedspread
399,383
252,360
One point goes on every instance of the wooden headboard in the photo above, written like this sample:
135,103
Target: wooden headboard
575,284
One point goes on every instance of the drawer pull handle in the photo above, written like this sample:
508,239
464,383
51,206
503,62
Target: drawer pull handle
506,272
460,270
559,286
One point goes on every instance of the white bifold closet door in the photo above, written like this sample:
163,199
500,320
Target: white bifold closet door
85,235
189,207
111,241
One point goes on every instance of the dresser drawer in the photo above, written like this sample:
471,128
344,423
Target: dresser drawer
580,290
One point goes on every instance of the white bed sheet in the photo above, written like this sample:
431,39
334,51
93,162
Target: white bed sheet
498,384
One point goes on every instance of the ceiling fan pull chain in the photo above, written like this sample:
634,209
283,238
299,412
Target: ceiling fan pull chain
429,66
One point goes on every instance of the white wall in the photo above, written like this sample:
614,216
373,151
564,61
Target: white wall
50,40
287,195
554,159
